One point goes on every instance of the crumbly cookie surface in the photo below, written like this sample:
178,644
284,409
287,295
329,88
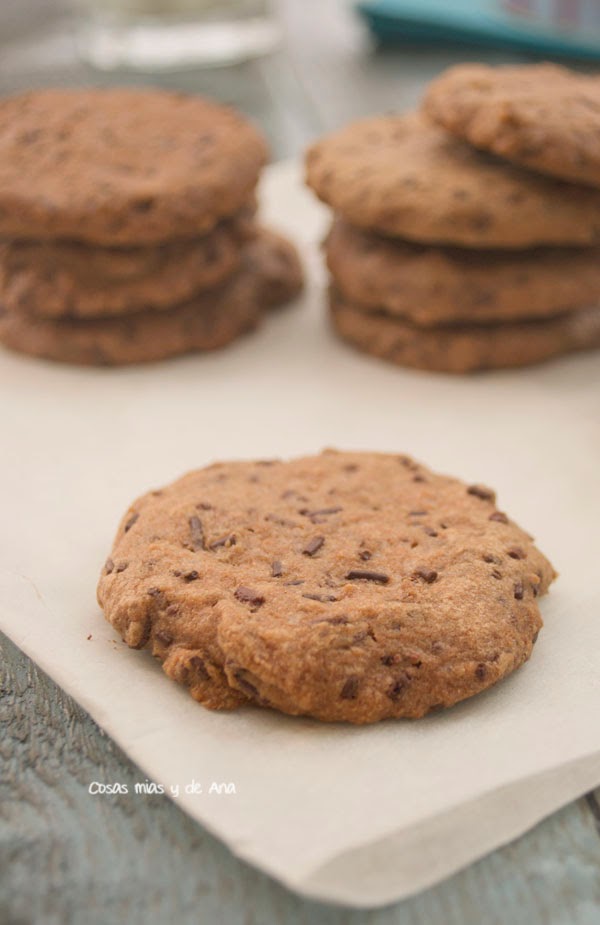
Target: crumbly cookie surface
54,279
406,177
463,348
344,586
434,285
544,116
122,166
269,275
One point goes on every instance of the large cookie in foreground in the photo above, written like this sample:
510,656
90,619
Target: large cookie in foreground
122,166
406,177
542,116
346,586
464,348
53,279
270,274
431,285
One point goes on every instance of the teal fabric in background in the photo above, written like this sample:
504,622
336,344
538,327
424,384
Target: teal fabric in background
476,23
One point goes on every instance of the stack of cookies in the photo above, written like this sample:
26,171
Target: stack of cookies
467,236
127,226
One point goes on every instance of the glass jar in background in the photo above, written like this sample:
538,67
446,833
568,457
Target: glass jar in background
159,35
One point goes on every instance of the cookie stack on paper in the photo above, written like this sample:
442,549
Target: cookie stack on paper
128,229
467,236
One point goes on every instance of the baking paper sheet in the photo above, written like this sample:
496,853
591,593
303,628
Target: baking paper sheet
361,816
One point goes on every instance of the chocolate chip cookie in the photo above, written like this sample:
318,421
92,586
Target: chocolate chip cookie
344,586
404,176
270,273
541,116
52,279
462,348
122,166
430,285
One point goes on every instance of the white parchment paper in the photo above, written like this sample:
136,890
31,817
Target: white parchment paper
362,816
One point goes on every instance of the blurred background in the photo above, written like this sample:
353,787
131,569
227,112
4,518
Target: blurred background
297,67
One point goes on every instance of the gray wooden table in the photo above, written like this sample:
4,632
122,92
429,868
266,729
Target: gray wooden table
65,858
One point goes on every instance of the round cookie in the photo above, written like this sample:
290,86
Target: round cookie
430,285
463,348
270,273
122,166
52,279
405,177
541,116
344,586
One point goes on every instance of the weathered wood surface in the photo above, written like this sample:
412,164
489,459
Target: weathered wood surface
66,857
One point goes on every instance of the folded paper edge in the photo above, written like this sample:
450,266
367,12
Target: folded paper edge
411,860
